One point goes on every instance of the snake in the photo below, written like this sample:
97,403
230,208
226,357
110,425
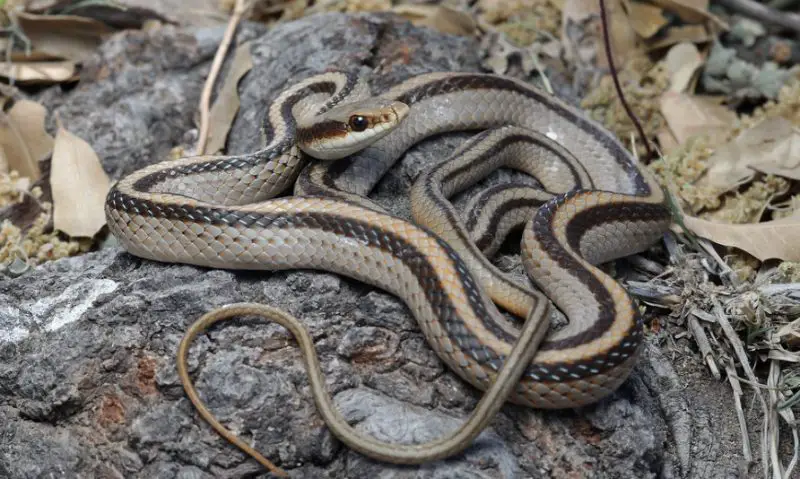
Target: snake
331,140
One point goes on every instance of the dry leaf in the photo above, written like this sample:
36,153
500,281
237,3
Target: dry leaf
667,141
79,186
3,162
646,19
772,146
23,138
226,105
438,17
584,16
690,115
38,72
692,11
25,55
675,35
768,240
63,36
682,62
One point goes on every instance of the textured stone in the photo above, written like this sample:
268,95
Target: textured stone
88,386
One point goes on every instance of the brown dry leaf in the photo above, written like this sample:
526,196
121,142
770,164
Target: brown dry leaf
23,138
438,17
226,105
692,11
646,19
63,36
584,15
675,35
690,115
3,162
667,141
772,146
38,72
31,55
79,186
683,61
768,240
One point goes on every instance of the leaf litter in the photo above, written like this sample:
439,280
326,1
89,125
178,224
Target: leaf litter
732,175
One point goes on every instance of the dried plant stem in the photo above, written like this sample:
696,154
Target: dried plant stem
615,78
741,356
239,10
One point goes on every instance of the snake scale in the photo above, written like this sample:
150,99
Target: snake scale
593,204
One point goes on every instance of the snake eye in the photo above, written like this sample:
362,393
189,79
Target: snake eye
358,123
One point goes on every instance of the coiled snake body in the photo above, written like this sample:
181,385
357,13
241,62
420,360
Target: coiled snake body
594,204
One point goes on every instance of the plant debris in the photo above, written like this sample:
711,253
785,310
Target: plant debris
727,128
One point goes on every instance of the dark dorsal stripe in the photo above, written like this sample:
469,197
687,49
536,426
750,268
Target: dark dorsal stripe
542,227
246,161
505,208
368,235
322,129
467,81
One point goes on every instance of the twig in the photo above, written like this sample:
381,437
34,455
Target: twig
773,397
701,339
205,98
737,399
615,77
741,356
764,14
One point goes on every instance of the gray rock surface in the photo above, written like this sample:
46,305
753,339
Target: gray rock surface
88,386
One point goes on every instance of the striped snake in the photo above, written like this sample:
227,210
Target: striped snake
221,212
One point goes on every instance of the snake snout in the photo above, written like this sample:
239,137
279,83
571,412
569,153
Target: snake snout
349,128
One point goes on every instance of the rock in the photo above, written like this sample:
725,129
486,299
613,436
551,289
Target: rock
88,386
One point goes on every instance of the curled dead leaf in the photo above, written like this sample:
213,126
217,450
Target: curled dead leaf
226,105
771,146
63,36
438,17
667,141
38,72
690,115
27,55
775,239
581,32
79,185
645,19
683,61
23,138
692,11
675,35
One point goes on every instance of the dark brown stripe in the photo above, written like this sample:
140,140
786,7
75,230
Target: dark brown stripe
433,192
608,213
322,130
542,229
246,161
505,142
365,233
487,82
494,220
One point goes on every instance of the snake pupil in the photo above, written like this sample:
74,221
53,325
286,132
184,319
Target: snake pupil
358,123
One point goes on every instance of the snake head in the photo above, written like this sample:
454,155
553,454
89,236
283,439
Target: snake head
346,129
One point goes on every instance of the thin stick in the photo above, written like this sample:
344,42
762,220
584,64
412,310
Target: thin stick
737,399
205,98
741,355
615,77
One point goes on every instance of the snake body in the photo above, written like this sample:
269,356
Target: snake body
217,212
